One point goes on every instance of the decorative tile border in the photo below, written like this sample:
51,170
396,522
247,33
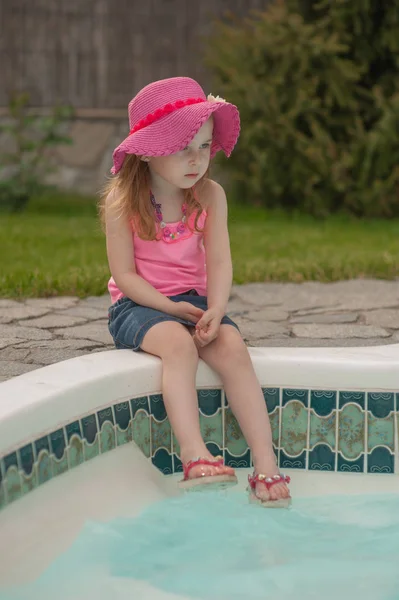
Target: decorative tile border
325,430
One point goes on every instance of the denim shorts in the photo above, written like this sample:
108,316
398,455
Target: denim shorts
128,322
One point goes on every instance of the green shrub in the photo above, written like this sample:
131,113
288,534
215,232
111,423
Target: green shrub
317,85
27,156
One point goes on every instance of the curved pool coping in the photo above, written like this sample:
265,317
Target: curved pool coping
38,400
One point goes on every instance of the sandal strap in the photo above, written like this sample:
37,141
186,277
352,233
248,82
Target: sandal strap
267,481
209,462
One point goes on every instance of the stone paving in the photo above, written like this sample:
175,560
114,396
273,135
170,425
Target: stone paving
41,331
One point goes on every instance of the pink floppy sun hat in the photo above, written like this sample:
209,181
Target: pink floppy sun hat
166,115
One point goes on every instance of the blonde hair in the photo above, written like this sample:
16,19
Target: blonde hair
130,189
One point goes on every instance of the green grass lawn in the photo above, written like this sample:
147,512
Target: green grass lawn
57,247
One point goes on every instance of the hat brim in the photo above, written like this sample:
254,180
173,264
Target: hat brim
176,130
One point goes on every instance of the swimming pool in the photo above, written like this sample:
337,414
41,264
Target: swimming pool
43,525
334,413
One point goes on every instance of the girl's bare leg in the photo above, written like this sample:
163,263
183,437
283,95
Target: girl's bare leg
229,357
173,343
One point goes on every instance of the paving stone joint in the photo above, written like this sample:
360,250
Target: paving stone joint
40,331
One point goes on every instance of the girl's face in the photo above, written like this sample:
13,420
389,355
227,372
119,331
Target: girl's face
186,167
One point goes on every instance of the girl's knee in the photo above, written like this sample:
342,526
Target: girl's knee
231,347
172,342
181,349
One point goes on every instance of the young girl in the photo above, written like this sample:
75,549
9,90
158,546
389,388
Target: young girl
169,255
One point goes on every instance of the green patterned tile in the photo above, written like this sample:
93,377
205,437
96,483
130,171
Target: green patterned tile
11,460
209,401
137,404
73,428
105,415
322,458
322,430
161,436
44,467
59,466
350,466
91,450
157,407
177,464
238,462
163,461
57,443
351,431
28,482
275,425
294,428
141,432
352,397
40,460
123,436
272,398
381,432
234,439
292,462
89,426
13,484
122,415
380,404
381,460
298,395
212,428
26,458
107,437
323,402
75,451
41,444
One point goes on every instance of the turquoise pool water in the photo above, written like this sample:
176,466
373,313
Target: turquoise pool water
216,546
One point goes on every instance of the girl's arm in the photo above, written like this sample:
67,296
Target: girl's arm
217,248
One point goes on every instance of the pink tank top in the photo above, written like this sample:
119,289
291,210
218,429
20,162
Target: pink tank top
170,267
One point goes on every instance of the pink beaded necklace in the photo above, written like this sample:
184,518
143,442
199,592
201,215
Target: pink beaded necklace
169,233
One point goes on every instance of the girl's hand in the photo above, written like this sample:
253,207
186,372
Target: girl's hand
186,310
207,328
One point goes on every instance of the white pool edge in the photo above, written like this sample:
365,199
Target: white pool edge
39,401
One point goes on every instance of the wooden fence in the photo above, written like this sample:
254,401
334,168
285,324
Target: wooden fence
95,54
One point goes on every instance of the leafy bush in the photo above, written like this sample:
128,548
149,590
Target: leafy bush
317,85
27,157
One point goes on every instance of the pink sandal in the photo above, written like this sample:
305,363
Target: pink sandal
225,480
268,482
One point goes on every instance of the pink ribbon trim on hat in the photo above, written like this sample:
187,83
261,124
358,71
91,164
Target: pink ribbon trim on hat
165,110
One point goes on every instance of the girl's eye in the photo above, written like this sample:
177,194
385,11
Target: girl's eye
202,147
